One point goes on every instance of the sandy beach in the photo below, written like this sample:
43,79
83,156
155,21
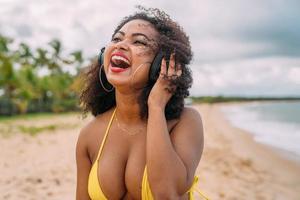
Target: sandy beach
233,165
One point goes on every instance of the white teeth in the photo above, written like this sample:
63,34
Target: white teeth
115,58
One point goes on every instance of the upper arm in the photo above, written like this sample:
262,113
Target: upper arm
83,165
187,139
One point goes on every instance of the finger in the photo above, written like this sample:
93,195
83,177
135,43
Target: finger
171,69
179,70
163,69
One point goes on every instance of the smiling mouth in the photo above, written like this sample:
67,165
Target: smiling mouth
122,65
120,62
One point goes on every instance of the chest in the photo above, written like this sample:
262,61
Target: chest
121,165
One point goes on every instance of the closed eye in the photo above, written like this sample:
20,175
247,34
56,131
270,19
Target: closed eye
115,39
140,42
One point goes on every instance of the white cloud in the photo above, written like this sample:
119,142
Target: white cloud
240,47
260,76
294,75
214,48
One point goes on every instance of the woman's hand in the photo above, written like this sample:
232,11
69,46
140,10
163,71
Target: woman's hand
163,89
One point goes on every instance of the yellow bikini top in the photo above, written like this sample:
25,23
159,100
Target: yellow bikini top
94,188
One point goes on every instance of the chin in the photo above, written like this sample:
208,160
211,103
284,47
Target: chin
118,81
126,83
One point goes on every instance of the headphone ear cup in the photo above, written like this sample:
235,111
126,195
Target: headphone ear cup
155,67
101,56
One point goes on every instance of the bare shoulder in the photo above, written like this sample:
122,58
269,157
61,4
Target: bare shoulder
91,133
191,119
94,125
189,127
191,112
85,136
87,131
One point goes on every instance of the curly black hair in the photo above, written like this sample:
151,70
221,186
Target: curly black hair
172,38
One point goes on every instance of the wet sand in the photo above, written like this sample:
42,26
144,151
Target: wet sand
234,166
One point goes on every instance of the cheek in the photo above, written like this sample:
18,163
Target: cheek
143,64
140,75
142,56
144,53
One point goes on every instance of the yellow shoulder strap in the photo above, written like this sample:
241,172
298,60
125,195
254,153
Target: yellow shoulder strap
106,133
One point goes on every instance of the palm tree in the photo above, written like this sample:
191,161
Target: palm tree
41,58
7,75
24,54
27,88
55,62
4,42
22,89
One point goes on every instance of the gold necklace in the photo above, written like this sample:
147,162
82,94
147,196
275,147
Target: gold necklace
127,130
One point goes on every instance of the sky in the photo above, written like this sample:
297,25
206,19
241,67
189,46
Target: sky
240,47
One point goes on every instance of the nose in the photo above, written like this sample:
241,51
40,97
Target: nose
122,45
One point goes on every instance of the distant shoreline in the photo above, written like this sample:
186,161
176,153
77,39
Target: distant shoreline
237,99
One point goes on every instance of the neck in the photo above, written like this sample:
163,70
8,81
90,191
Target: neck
128,109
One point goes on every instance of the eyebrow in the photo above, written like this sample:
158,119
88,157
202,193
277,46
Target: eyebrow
133,34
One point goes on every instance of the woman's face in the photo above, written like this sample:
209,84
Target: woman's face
128,56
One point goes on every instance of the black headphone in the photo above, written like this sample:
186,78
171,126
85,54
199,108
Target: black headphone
154,68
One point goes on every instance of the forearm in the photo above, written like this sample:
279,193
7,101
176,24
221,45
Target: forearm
165,168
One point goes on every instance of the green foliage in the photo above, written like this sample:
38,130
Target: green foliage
23,89
4,42
32,130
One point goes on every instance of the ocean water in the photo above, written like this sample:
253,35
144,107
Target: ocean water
273,123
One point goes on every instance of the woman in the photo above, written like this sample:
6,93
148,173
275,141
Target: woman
143,143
